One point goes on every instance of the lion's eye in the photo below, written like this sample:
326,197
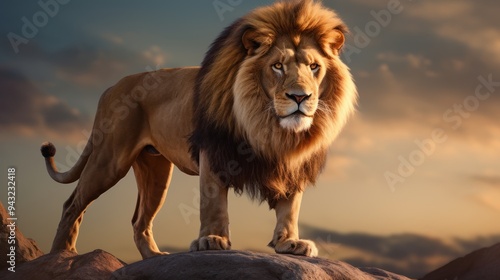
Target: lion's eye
278,66
314,66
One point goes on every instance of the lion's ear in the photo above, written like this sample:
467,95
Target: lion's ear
339,40
335,42
248,39
252,41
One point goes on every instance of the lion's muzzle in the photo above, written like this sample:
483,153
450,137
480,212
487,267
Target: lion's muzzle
298,96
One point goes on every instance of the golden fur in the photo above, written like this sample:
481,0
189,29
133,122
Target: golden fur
234,96
270,97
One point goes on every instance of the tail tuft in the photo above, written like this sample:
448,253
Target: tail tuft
48,150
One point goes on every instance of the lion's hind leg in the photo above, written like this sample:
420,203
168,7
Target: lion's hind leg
153,173
98,176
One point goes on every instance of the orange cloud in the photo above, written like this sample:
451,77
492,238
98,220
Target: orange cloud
26,111
458,20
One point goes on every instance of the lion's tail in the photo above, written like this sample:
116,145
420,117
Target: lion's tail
49,150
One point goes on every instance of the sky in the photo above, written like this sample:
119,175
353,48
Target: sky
412,182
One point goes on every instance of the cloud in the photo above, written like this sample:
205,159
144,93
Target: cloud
16,103
469,245
486,190
155,55
36,83
414,61
339,166
388,96
411,255
101,66
414,93
28,111
465,23
98,62
59,115
392,247
487,179
442,10
88,66
113,38
427,60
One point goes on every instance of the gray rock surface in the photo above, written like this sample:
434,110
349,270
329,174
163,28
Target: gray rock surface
32,264
67,265
25,249
246,265
482,264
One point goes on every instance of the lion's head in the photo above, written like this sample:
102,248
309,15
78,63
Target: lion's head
274,81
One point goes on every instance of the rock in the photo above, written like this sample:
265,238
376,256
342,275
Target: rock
67,265
25,249
482,264
245,265
32,264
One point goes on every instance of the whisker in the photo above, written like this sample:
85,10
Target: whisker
325,108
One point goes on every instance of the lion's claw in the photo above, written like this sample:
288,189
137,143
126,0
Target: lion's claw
302,247
210,242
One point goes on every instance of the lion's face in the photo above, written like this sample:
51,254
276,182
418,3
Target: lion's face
290,86
291,77
283,82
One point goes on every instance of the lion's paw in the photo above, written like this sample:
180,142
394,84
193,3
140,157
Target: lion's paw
210,242
160,254
302,247
147,253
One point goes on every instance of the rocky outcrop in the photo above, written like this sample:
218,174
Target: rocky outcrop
25,249
482,264
198,265
246,265
65,265
30,263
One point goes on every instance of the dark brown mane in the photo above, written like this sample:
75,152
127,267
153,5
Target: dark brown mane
232,158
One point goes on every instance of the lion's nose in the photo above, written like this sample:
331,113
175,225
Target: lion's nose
298,97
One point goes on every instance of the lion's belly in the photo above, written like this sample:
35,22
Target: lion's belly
169,111
183,161
170,137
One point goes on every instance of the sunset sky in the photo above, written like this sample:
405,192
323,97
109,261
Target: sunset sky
420,159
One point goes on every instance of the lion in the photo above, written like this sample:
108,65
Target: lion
258,116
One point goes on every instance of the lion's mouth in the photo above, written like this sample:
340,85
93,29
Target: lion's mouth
297,121
298,113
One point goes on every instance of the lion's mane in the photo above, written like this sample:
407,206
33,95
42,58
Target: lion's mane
258,156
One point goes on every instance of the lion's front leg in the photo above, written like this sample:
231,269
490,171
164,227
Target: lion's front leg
214,218
286,235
